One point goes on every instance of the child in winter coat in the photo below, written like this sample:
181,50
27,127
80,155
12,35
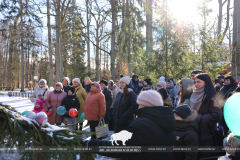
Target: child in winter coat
186,132
71,101
39,108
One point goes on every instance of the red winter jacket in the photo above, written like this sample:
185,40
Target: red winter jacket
95,105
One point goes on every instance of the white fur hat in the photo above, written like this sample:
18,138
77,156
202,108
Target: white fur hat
43,80
76,79
150,98
126,80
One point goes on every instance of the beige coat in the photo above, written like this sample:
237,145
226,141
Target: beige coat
37,91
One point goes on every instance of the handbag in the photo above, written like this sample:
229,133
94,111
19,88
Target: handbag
102,131
215,138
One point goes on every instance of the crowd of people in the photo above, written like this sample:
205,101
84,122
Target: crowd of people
168,114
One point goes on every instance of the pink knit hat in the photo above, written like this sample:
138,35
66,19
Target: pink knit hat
150,98
40,102
60,84
96,84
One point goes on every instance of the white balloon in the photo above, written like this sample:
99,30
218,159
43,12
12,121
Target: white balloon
31,115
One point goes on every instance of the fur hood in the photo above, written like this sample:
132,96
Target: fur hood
192,117
129,90
112,87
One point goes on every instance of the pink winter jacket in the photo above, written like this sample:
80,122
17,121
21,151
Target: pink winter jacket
54,100
43,110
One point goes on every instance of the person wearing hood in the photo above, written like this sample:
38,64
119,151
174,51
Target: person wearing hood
209,112
94,107
108,99
87,84
81,94
171,79
161,88
185,134
218,86
228,87
112,88
124,106
154,126
54,100
71,101
40,93
140,87
194,73
135,81
221,79
147,85
171,90
186,89
66,84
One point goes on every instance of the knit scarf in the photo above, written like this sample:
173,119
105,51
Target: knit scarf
38,109
197,98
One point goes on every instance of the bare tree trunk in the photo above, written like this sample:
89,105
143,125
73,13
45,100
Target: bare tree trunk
219,19
61,57
227,23
235,69
100,64
128,40
50,83
88,36
58,63
22,54
97,56
113,54
149,45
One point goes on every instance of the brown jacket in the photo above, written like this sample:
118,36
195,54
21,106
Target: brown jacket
95,105
211,115
54,100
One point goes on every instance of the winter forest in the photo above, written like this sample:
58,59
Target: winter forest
103,39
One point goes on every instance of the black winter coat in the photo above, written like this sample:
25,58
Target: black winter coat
218,88
66,89
135,86
87,87
70,102
138,91
185,135
108,100
123,110
224,93
153,127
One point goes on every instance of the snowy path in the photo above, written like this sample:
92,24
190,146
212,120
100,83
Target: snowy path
24,104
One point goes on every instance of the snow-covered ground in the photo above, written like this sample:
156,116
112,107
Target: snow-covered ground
24,104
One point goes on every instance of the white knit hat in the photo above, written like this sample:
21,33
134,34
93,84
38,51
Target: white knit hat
43,80
162,83
126,80
76,79
150,98
67,79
